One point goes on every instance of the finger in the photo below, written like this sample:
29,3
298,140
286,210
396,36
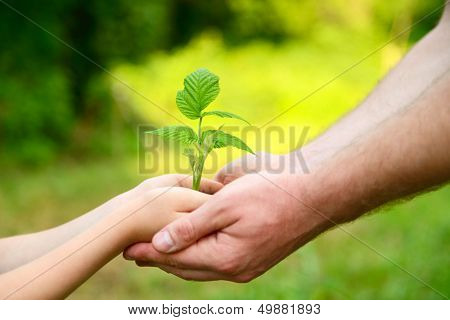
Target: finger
188,200
180,180
191,275
200,256
238,168
167,180
228,173
183,232
186,274
206,185
145,264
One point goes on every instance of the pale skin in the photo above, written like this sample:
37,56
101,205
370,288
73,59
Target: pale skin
395,144
81,247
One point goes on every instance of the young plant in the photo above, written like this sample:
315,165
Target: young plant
200,89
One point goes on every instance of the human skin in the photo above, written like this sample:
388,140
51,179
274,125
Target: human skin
61,270
258,219
426,62
20,249
410,153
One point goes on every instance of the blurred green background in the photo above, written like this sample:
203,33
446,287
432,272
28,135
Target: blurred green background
68,137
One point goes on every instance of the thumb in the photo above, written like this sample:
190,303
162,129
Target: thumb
229,173
190,228
237,168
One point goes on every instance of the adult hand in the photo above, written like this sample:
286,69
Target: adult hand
262,161
294,162
241,232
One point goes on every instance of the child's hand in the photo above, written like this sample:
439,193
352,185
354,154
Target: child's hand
179,180
158,207
169,180
135,208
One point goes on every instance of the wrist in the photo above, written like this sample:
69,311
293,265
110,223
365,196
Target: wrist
316,189
304,204
126,221
333,191
147,214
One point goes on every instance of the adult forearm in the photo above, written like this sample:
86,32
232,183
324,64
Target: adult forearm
426,61
406,154
403,85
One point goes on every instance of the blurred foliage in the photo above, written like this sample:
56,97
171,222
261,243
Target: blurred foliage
55,95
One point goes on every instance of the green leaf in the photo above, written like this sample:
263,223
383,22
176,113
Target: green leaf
220,139
186,105
201,88
223,114
181,134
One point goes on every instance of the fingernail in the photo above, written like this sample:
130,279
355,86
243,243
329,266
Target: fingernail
126,257
163,242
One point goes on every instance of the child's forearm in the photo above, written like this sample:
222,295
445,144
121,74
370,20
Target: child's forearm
57,273
19,250
135,218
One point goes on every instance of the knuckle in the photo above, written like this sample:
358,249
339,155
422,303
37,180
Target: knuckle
179,274
244,278
172,262
186,277
146,184
230,267
166,270
172,176
158,194
173,179
224,206
143,264
185,231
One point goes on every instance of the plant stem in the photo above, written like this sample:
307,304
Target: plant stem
197,172
198,168
200,130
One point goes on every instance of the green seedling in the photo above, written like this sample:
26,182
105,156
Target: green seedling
200,89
